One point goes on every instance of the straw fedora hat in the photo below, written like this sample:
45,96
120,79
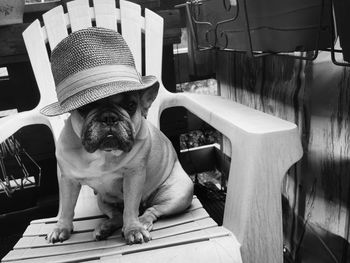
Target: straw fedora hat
92,64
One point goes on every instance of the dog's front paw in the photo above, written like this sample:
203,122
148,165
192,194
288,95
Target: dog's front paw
136,233
60,233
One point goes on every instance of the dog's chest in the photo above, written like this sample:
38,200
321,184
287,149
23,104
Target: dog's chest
104,175
105,167
109,186
102,171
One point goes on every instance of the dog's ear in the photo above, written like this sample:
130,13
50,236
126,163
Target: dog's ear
147,96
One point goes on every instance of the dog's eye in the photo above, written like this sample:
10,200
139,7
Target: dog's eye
83,111
131,106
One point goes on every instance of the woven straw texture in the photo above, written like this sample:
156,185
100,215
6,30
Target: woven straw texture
89,49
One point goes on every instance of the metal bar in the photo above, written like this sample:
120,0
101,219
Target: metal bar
193,21
253,54
333,50
11,147
224,22
249,37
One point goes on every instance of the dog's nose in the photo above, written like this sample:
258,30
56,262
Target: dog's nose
108,118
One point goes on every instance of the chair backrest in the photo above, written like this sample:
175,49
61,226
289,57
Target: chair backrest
57,25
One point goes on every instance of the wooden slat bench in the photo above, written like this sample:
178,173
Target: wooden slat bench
193,236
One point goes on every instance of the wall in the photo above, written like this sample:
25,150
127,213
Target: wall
316,96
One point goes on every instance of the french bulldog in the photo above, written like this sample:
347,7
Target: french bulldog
110,146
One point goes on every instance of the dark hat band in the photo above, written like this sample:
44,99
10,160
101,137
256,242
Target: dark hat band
93,77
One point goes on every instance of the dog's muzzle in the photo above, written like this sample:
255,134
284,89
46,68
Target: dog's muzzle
108,131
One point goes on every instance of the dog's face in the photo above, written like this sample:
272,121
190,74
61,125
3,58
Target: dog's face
110,124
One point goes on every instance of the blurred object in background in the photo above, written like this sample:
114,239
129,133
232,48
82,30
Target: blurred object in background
11,12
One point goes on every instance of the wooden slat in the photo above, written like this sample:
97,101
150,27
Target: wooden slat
131,21
55,24
222,249
114,247
153,43
193,213
184,228
79,14
85,241
39,240
106,14
35,44
91,212
86,235
79,226
86,207
54,219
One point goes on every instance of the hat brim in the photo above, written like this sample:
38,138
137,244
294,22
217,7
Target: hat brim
96,93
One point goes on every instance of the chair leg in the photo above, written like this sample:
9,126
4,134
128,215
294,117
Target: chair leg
253,209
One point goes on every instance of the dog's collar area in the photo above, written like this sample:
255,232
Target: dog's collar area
143,131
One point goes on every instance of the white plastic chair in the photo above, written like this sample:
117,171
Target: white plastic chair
263,149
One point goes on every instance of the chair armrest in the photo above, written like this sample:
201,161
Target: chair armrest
263,148
12,123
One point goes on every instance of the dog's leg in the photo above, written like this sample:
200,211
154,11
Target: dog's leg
133,183
114,221
174,196
69,191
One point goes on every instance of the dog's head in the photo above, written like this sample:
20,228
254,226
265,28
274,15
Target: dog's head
111,124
